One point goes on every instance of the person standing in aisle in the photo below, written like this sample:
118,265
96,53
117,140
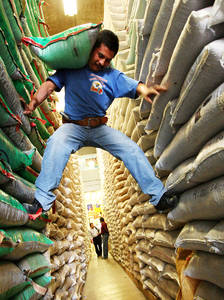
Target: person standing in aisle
89,92
105,237
96,239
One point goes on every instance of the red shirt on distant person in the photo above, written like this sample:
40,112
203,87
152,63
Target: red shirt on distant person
104,228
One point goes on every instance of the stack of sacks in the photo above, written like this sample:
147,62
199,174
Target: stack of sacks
114,224
70,254
189,158
116,211
23,269
137,234
169,22
161,55
27,254
192,158
155,250
23,266
197,32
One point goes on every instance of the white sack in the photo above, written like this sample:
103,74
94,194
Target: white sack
209,163
206,74
170,272
145,108
203,125
165,254
156,36
141,44
151,11
204,202
177,181
215,238
150,157
147,141
217,15
208,291
208,267
166,132
165,238
192,236
206,166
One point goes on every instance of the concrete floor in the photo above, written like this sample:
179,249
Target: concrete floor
106,280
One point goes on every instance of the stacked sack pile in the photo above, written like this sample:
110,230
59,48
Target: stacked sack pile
179,44
70,252
31,251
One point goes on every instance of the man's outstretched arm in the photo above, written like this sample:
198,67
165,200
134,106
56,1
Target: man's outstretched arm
42,93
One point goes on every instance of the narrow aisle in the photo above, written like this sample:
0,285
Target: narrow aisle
106,280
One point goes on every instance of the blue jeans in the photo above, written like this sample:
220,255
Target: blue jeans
105,237
71,137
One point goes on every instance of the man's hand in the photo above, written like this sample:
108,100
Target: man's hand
29,108
145,91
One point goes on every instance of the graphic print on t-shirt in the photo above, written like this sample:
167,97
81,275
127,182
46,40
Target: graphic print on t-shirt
97,83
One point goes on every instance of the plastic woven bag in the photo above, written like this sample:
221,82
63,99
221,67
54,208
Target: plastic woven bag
68,49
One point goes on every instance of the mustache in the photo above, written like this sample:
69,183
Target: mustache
100,66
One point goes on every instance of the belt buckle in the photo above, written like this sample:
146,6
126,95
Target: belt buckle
89,122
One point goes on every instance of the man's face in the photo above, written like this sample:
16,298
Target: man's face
91,225
100,58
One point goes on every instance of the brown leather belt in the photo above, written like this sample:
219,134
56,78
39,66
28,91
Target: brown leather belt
91,121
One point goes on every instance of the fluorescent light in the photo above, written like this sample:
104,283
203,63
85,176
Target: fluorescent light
70,7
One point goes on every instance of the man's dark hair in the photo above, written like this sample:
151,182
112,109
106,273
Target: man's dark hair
101,219
108,38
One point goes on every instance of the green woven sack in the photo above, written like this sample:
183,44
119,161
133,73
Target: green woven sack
28,12
22,90
10,40
16,158
6,244
39,223
68,49
28,174
12,213
8,118
12,97
13,281
14,20
20,189
32,292
43,27
6,55
37,140
18,6
28,241
5,173
34,265
40,122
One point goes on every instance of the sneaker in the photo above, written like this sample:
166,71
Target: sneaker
167,203
33,208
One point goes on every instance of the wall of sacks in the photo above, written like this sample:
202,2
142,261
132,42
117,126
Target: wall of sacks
179,44
34,255
69,255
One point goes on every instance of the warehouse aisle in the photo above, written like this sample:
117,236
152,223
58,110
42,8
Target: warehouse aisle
106,280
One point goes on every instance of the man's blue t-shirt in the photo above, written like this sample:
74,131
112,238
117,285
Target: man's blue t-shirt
89,94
